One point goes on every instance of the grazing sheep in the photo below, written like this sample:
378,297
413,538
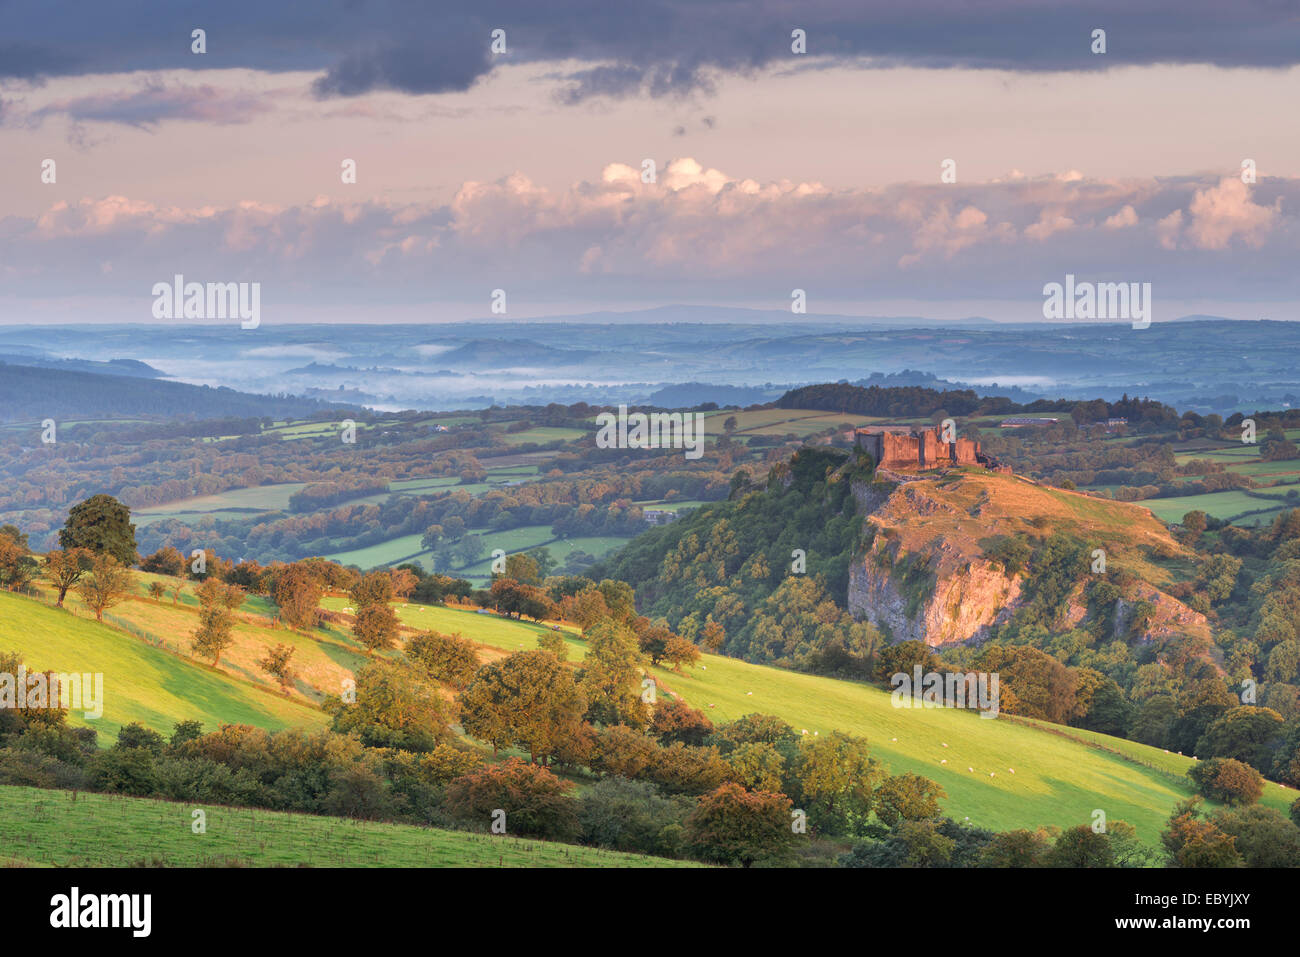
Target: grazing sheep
972,770
1012,770
993,774
893,739
803,731
944,761
945,744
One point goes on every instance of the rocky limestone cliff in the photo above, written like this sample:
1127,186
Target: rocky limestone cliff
959,606
924,576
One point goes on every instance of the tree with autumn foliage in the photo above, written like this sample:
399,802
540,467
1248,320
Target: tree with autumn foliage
731,825
611,676
297,591
838,778
65,568
109,583
675,720
447,658
1193,841
678,651
535,802
528,700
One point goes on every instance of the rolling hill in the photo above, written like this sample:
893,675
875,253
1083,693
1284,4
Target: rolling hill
141,682
1002,774
1023,773
42,828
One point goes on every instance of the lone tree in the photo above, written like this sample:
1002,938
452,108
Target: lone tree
107,585
678,651
101,524
216,622
376,626
276,664
65,569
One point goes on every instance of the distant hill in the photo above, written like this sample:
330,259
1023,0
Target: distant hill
493,353
734,314
29,393
686,395
129,367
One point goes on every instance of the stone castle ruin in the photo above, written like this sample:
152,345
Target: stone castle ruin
901,447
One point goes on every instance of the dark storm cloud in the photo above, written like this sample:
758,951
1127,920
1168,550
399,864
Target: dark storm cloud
147,107
651,47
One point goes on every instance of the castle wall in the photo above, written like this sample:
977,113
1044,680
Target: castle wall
966,452
918,450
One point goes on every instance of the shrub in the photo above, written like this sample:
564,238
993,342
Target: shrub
632,816
733,826
1228,780
536,803
448,658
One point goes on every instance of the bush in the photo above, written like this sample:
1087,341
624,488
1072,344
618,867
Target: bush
733,826
536,803
34,769
124,771
675,720
448,658
1228,780
201,780
632,816
1263,837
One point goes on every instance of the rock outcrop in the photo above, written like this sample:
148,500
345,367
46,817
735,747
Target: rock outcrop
925,575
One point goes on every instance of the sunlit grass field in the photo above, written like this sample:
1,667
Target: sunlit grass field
141,682
62,829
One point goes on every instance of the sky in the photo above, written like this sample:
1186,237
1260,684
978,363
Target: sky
523,168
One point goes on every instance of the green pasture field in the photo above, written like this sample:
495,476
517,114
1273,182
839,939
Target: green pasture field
65,829
999,773
141,682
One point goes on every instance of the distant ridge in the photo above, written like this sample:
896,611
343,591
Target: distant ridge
30,393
